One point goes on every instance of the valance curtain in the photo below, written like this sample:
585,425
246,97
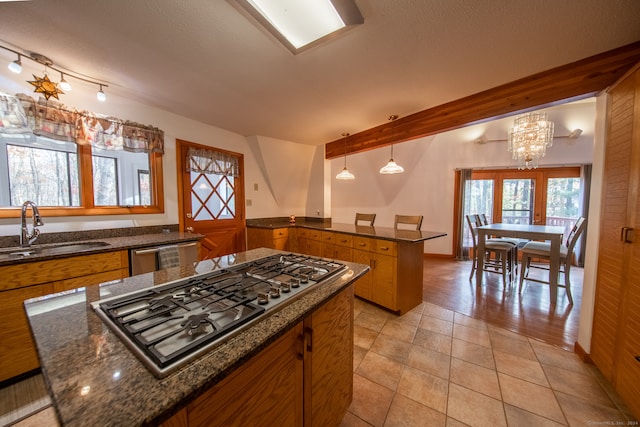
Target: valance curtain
21,114
214,162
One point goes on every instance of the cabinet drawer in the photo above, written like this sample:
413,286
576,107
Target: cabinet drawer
279,233
315,235
303,232
363,243
328,237
386,247
344,239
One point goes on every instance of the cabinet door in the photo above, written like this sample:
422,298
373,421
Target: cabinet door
328,364
266,391
384,290
17,350
363,285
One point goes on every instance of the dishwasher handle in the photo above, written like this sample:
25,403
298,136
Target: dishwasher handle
155,250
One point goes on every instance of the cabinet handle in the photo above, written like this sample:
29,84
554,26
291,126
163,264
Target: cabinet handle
343,241
362,244
308,333
626,235
638,358
384,249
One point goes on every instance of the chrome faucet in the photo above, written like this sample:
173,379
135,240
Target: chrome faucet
26,238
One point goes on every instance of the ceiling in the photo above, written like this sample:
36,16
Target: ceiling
207,60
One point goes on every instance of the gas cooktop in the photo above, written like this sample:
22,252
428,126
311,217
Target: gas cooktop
170,325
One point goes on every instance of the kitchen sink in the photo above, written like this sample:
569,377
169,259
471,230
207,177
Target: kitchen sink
44,250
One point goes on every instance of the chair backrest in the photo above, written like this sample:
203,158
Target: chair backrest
483,219
472,221
408,219
575,233
363,217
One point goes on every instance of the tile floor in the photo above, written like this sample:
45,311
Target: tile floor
435,367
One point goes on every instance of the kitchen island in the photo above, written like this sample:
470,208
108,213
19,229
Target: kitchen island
395,256
94,379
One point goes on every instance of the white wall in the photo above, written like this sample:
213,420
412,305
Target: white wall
427,185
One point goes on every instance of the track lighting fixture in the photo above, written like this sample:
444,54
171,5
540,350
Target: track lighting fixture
100,95
43,84
16,66
64,85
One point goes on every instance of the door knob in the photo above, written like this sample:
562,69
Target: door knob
189,215
189,229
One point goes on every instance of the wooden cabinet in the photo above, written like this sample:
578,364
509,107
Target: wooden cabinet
310,241
361,254
328,363
23,281
304,378
615,341
336,245
265,391
274,238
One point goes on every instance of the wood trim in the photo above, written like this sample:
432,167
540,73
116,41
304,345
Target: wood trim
570,82
582,354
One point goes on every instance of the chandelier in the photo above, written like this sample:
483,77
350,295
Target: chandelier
529,138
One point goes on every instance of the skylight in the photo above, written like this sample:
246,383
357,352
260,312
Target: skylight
300,24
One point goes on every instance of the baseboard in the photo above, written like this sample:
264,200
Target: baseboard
582,354
441,256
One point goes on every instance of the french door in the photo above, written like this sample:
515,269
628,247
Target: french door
550,196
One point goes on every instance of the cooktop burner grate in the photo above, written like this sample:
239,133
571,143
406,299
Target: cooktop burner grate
169,325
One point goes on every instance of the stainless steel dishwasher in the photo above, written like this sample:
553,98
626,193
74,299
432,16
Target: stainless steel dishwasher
145,260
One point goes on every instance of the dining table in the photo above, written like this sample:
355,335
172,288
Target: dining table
551,233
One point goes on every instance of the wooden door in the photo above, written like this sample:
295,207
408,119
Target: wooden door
211,203
615,341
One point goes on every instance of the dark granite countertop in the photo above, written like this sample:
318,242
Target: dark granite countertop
111,244
386,233
93,379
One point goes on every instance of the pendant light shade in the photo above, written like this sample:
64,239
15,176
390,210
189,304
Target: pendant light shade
391,167
345,174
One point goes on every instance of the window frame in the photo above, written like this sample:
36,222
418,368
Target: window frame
87,206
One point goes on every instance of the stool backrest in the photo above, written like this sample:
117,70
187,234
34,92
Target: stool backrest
369,219
408,219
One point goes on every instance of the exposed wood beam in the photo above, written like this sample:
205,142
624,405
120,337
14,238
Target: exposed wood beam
569,82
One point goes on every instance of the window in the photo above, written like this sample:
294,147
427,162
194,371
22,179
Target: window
76,163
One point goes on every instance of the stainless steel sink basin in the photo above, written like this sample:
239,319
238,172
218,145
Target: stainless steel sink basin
44,250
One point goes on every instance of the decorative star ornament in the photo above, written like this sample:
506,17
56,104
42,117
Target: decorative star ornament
46,87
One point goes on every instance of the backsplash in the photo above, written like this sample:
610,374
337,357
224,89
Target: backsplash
73,236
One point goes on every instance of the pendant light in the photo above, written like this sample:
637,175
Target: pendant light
391,167
345,174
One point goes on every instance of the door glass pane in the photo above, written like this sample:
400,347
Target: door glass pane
212,196
563,202
478,200
517,201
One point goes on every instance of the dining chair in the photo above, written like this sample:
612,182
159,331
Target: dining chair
542,250
367,219
499,254
414,220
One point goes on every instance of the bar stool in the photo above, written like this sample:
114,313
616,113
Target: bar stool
369,219
414,220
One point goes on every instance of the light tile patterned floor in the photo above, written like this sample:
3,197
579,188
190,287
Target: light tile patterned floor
434,367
